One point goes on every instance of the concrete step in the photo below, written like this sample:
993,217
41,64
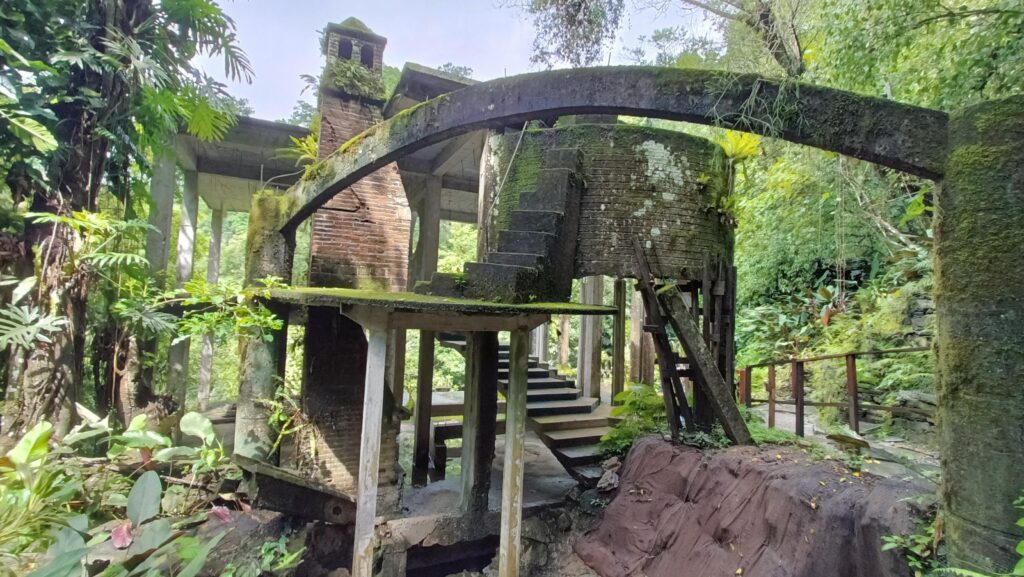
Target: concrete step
572,407
537,372
568,158
579,456
550,382
575,437
548,221
540,199
589,474
501,282
528,242
516,258
550,395
599,417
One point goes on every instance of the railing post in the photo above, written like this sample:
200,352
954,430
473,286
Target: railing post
771,396
748,377
853,402
797,378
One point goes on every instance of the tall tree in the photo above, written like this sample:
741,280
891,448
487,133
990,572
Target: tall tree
90,89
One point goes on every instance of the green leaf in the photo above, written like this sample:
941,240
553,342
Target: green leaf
32,132
33,446
144,498
150,537
176,454
68,564
197,425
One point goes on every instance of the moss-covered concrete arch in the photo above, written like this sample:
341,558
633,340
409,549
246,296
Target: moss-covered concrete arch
896,135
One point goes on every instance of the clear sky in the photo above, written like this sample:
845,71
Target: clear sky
281,38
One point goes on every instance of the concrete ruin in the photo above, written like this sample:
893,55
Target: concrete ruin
558,197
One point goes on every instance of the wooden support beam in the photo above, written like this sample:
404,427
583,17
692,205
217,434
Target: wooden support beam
479,419
771,397
718,394
746,385
424,399
853,400
369,453
796,373
619,338
510,530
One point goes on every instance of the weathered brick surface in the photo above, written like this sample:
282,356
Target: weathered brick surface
359,238
656,184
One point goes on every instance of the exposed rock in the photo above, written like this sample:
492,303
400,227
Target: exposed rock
766,512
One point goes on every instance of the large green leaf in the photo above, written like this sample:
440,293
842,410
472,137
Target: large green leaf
33,445
144,498
32,132
68,564
197,425
196,564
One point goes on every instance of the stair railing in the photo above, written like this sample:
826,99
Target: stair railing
797,379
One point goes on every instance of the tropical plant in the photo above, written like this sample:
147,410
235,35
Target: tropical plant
641,411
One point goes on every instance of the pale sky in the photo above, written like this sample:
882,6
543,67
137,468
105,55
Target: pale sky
281,38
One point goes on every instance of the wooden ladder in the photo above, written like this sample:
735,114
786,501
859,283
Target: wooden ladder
676,406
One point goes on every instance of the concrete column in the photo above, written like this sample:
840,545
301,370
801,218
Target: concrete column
619,339
427,247
161,189
212,276
510,530
369,454
479,420
177,376
261,366
641,345
979,301
539,343
588,371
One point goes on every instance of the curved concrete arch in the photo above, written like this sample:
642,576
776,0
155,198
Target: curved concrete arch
898,136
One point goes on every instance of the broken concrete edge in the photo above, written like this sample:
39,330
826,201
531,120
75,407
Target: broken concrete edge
413,302
899,136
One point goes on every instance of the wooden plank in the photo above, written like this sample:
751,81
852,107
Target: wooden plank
619,338
369,454
479,419
853,411
746,385
771,397
719,395
641,346
424,400
510,530
796,373
880,352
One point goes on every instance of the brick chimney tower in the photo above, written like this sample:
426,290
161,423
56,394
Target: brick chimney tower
360,239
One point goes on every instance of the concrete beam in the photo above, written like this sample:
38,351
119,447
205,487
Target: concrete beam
589,355
479,419
510,532
212,276
898,136
369,453
177,376
161,190
456,151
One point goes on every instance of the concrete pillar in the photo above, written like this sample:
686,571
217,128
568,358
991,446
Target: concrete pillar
510,530
161,190
588,371
427,247
212,276
641,345
177,376
369,451
269,252
539,343
979,299
479,420
619,339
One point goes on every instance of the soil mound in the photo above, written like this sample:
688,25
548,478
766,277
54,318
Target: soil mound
757,512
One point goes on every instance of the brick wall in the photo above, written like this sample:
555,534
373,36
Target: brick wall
657,184
360,238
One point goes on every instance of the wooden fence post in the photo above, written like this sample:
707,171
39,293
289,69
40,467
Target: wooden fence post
748,389
853,402
771,396
797,379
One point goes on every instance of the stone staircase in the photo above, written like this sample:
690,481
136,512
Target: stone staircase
568,423
536,255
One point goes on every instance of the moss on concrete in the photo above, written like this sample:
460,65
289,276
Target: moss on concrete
406,301
353,23
980,307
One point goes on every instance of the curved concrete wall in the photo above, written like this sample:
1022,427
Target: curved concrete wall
663,186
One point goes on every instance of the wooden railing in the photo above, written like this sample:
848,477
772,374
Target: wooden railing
852,405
